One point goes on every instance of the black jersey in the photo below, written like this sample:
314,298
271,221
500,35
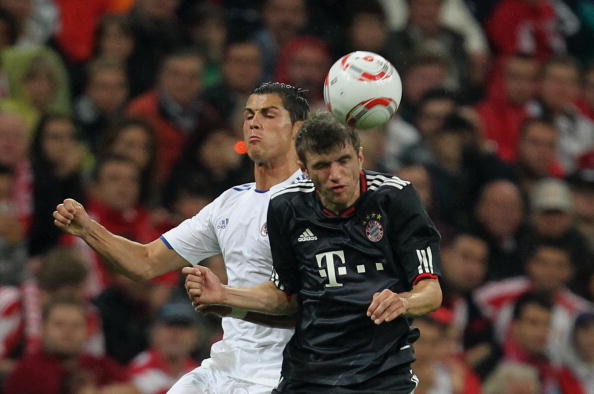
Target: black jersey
334,265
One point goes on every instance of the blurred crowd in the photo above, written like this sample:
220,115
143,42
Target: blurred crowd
134,107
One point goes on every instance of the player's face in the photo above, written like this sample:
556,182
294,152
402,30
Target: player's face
336,176
267,128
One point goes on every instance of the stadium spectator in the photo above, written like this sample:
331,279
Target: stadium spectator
424,31
282,20
174,107
455,15
436,367
114,200
61,365
424,72
14,146
61,273
128,308
211,154
304,61
13,247
157,32
365,28
579,357
241,69
548,271
135,139
513,378
530,326
464,261
173,337
498,219
537,158
102,101
582,188
37,81
559,90
431,111
57,156
506,105
552,219
525,26
208,31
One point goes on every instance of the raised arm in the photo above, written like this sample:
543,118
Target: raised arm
205,288
135,260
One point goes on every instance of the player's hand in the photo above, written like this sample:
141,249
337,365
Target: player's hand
386,306
203,286
71,217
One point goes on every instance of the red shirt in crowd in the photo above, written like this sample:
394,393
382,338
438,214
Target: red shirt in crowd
42,373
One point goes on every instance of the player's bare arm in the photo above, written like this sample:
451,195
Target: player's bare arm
204,288
135,260
424,297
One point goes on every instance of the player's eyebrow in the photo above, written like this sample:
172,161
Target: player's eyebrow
263,109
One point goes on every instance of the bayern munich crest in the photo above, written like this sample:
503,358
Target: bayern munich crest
374,231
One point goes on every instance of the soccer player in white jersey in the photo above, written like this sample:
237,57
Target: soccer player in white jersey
249,357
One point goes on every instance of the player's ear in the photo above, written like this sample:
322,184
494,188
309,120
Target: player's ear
302,167
296,127
360,157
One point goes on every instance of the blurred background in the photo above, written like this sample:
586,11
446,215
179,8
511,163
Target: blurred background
134,107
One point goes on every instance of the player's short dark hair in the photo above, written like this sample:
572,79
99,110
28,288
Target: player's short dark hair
539,299
60,300
322,133
294,98
61,267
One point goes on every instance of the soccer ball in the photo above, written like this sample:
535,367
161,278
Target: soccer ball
363,90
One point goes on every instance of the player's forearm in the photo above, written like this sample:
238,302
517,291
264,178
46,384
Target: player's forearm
125,256
264,298
423,298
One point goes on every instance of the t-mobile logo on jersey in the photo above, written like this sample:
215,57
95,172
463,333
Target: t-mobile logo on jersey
331,272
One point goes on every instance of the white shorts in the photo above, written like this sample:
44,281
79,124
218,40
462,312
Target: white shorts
208,380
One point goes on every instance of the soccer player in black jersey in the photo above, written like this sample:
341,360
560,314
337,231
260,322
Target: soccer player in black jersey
355,256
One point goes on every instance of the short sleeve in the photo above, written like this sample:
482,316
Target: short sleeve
285,274
414,238
194,239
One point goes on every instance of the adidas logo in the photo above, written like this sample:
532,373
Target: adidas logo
307,235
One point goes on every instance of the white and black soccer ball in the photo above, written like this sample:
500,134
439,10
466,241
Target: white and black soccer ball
363,90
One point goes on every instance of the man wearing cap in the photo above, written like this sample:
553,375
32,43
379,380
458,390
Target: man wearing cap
173,337
552,219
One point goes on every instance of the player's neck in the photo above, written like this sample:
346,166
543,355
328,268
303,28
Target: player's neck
274,172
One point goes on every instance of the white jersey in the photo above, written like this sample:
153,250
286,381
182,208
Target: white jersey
234,224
